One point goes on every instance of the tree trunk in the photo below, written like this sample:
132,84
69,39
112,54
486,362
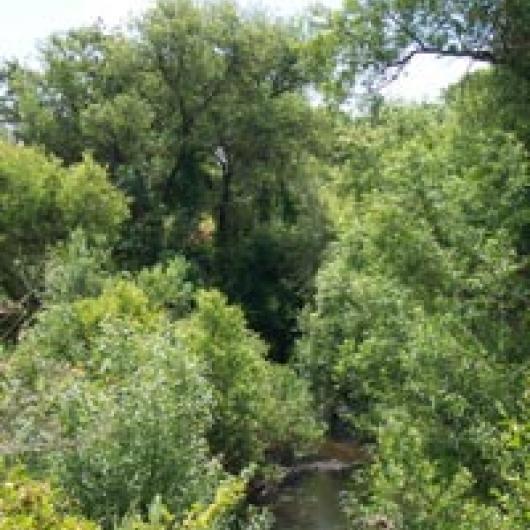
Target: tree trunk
223,228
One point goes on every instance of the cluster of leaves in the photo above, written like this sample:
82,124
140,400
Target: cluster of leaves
41,202
132,388
138,387
199,115
129,387
28,504
250,419
373,40
419,330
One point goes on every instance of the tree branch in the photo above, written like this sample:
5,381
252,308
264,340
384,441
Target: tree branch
477,55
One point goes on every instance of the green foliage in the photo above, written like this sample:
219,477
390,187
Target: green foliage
480,92
139,394
419,305
169,286
220,512
377,38
140,437
87,200
123,405
270,270
75,269
407,490
515,462
41,202
225,510
222,77
28,504
100,395
200,117
123,424
84,300
120,298
425,227
68,331
505,92
250,414
89,327
158,518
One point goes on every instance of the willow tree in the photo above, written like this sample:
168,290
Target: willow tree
200,114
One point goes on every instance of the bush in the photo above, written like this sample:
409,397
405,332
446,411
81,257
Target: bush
410,491
75,269
250,415
28,504
169,286
41,202
138,435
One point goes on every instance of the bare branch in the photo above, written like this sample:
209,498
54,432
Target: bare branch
477,55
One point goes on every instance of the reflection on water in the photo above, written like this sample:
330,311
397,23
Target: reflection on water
312,503
313,500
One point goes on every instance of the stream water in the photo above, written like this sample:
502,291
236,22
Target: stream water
312,501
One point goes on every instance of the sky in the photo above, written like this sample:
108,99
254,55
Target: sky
26,22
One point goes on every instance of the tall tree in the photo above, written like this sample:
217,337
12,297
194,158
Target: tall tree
200,115
382,36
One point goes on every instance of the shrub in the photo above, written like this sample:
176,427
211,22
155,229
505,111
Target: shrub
139,435
28,504
249,414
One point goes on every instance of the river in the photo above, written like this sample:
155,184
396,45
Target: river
312,503
312,500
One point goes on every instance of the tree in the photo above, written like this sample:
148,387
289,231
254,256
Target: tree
42,202
416,338
382,36
194,105
201,118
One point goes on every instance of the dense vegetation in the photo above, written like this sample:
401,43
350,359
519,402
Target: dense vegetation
203,272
